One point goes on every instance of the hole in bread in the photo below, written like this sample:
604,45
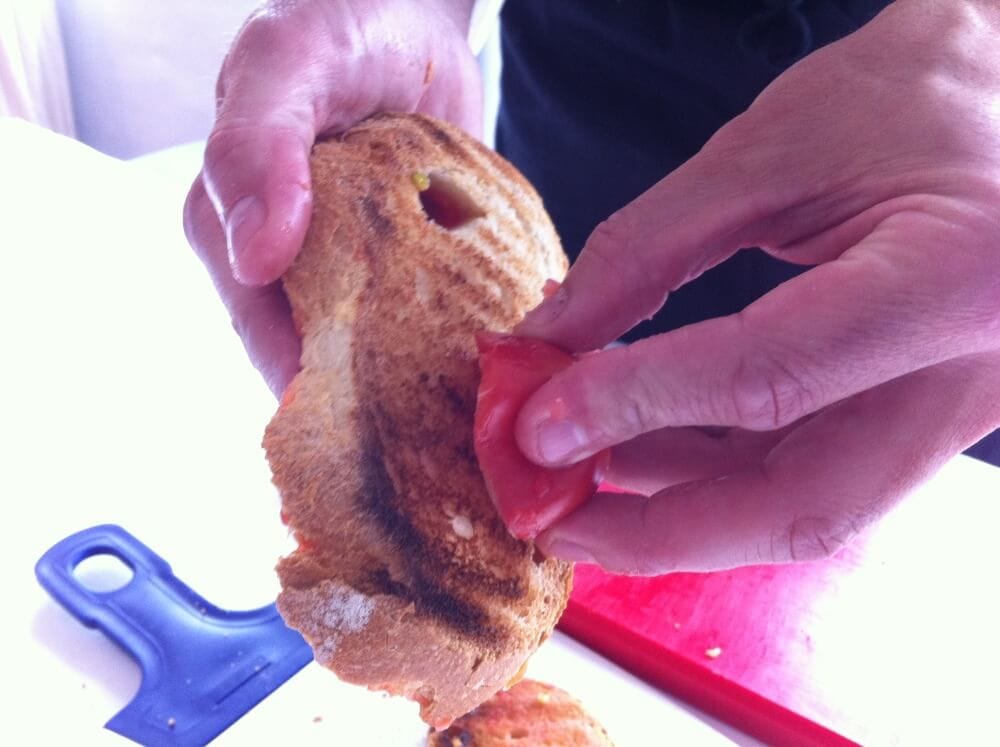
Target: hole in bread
445,203
537,557
103,572
519,734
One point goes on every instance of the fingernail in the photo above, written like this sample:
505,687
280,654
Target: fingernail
244,221
560,440
549,309
568,550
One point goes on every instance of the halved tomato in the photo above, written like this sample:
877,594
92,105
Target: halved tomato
528,497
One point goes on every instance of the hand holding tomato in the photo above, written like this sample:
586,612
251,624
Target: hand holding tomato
529,498
779,433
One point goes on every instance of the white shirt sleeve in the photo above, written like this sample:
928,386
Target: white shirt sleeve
484,16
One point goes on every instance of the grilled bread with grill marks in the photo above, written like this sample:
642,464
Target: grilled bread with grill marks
405,579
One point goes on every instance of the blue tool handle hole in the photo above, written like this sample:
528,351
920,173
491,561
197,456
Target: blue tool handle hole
103,572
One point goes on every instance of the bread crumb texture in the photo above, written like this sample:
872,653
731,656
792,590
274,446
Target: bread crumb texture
405,580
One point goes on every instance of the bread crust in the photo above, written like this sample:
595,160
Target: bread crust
405,578
530,713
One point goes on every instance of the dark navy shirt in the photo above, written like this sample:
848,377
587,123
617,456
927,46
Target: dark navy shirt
600,99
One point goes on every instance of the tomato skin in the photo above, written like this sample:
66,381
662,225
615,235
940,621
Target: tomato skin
528,497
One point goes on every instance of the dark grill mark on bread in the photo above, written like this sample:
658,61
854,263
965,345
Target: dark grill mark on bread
444,140
501,275
382,582
461,615
379,153
431,600
457,398
466,451
378,499
484,583
380,225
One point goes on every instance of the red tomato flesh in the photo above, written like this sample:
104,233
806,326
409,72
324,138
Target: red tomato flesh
528,497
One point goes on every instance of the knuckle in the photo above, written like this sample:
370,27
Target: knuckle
614,252
614,396
641,408
756,399
271,38
645,553
634,413
639,402
608,242
812,538
235,149
222,144
266,30
766,391
613,230
222,157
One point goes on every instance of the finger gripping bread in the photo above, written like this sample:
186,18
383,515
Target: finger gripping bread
405,579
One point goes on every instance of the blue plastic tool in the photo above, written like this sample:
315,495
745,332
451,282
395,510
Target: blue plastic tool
202,667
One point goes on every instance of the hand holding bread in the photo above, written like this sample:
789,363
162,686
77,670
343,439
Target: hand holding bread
296,71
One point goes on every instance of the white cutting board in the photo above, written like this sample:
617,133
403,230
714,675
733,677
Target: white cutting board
127,399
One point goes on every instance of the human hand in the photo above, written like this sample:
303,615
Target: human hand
877,159
299,69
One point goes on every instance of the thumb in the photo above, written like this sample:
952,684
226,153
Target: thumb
256,168
687,223
257,176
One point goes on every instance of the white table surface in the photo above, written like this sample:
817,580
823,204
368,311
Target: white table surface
127,399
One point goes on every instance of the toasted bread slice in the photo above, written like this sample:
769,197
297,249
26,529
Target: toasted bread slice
405,579
530,714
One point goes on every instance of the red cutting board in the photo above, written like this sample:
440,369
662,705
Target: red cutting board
893,641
